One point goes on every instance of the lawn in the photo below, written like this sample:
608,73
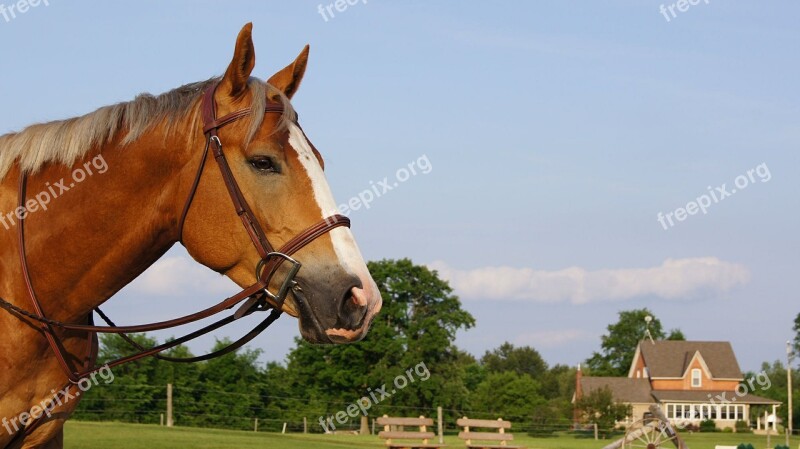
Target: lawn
91,435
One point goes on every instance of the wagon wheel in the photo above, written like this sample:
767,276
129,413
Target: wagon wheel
650,433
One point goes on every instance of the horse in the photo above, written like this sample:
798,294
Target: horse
103,196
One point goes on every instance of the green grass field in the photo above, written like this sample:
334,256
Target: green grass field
90,435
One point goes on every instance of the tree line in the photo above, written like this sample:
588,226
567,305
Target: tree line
416,329
417,325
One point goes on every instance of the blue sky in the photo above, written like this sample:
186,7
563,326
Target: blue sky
556,132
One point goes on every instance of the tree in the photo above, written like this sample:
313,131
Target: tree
599,407
229,394
618,346
137,392
509,395
676,335
417,324
770,383
523,360
558,388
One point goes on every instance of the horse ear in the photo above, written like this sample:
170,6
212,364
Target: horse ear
244,59
288,80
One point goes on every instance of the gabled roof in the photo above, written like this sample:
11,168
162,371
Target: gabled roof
623,389
703,365
670,359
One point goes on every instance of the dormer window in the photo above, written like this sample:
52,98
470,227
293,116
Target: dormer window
697,378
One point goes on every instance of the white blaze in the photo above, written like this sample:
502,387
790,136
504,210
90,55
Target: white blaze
344,243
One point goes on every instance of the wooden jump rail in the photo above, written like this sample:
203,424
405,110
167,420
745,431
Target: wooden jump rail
500,436
389,434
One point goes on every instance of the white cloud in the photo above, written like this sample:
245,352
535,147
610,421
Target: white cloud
552,338
674,279
173,276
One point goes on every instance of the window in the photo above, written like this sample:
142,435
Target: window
736,412
697,378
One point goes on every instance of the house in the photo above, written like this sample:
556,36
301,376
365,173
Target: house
690,380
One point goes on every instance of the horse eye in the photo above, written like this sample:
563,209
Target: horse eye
264,164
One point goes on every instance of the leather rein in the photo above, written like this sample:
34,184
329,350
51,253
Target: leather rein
257,296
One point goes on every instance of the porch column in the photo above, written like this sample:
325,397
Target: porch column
775,421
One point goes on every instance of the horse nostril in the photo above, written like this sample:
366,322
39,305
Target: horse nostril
354,308
358,296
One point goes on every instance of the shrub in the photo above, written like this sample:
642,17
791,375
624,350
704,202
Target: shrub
690,427
708,425
781,446
742,427
745,446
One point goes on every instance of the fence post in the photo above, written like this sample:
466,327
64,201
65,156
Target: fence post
170,422
255,428
162,420
441,427
595,432
305,425
284,428
364,429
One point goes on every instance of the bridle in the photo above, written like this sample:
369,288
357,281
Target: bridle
257,296
254,298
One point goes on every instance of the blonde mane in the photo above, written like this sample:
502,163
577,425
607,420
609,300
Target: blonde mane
67,141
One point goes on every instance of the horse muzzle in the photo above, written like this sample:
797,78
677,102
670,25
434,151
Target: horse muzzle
332,320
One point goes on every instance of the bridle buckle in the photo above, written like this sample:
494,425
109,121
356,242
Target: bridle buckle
288,282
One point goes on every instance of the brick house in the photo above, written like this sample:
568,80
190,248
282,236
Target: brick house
690,380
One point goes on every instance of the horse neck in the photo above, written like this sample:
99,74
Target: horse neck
106,229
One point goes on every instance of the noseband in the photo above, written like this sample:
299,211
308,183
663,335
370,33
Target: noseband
253,298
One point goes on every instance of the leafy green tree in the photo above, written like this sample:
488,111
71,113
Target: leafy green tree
619,344
474,372
417,325
508,395
796,329
229,394
522,360
600,408
559,382
676,335
770,383
558,387
137,391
